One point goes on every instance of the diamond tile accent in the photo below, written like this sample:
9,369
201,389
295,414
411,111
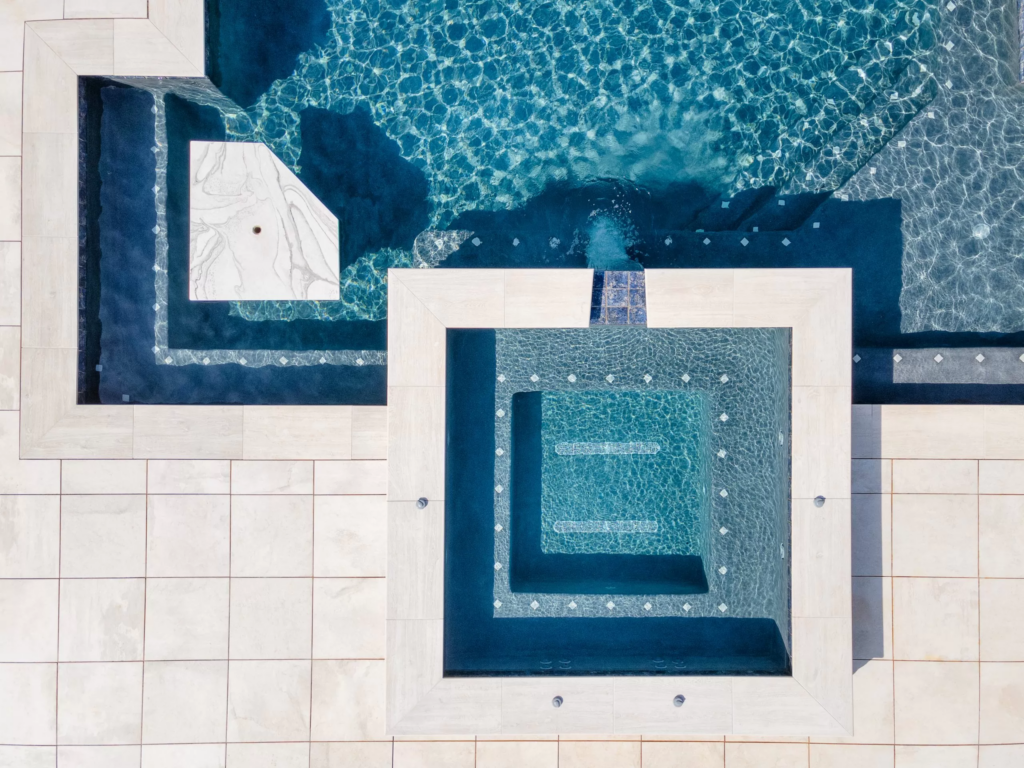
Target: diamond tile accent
744,241
724,417
938,358
572,604
501,377
609,378
497,566
476,241
980,357
706,241
723,607
724,379
535,605
648,378
572,378
723,530
723,570
497,603
501,413
515,241
647,606
786,241
721,453
723,493
856,358
500,452
687,607
686,376
897,357
535,378
499,488
609,605
498,528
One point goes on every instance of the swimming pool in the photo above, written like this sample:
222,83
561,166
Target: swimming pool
635,485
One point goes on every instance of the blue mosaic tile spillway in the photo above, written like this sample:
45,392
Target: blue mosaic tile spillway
619,298
715,402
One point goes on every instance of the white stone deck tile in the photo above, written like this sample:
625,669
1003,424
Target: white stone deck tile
351,477
184,701
872,617
871,476
10,368
1001,545
188,536
269,700
1004,425
101,619
792,713
183,22
175,755
16,475
50,286
754,755
1001,756
114,756
691,298
588,705
932,431
1002,620
189,476
142,49
186,619
285,755
272,536
935,619
847,756
13,14
1001,476
822,661
348,618
643,705
670,754
820,552
105,9
934,535
871,538
458,298
297,432
369,432
342,754
272,477
348,701
29,537
548,298
428,754
29,632
10,113
50,187
872,706
271,618
934,476
415,562
188,432
86,45
936,702
821,442
416,339
103,536
102,477
591,754
28,712
416,443
1002,703
351,536
10,198
10,283
50,95
936,757
99,703
515,754
414,665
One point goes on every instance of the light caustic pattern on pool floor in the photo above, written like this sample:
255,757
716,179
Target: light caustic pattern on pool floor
494,99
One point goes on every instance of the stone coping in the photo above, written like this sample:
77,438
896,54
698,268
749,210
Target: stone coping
816,700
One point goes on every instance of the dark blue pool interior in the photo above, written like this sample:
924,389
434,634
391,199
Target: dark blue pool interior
534,570
382,201
477,643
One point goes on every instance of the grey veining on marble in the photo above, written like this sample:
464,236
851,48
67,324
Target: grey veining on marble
255,231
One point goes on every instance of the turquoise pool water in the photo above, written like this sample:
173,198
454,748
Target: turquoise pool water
625,472
645,445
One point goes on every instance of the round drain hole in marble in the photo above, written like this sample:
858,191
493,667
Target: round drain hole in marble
257,229
557,702
678,700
